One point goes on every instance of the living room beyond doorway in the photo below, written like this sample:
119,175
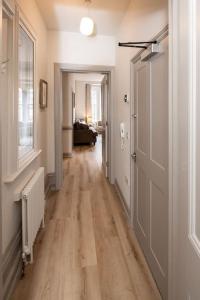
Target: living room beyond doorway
85,114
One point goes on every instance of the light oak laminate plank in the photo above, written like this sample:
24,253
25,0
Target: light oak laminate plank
87,250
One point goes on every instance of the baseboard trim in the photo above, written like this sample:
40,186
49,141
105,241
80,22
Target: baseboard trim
122,199
50,183
12,265
67,155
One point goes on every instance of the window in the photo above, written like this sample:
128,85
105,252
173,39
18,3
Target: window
96,103
25,94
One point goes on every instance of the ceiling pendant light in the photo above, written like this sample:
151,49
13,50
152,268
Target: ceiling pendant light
87,24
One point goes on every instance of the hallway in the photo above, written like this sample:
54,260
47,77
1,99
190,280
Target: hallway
87,250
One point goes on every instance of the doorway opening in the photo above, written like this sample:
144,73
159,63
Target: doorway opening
83,115
84,101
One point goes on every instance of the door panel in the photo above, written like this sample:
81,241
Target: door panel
142,205
158,227
141,148
142,109
159,111
151,166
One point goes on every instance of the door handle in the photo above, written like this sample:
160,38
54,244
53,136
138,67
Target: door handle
134,156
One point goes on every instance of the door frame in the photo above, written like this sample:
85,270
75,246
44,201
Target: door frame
177,105
59,68
1,279
104,99
173,145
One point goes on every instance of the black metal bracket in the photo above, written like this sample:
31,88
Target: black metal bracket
141,45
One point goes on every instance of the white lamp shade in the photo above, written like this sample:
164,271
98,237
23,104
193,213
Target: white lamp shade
87,26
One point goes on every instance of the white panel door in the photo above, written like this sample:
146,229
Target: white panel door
187,148
141,207
151,165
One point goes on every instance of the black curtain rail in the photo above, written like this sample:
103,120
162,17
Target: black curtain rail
142,45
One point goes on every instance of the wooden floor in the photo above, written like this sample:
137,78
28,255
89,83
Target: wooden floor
87,251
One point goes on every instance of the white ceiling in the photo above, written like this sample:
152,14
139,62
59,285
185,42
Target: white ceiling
66,14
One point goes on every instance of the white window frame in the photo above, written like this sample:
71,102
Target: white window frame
9,124
26,158
13,165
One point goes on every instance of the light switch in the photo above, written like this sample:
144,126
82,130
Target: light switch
126,98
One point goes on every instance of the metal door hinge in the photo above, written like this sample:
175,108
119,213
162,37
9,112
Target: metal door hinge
134,156
107,164
3,66
134,116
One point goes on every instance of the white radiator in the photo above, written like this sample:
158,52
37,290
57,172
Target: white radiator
32,211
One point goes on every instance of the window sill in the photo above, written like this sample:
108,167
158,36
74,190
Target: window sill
11,178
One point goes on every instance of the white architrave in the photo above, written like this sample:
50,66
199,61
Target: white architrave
1,284
173,52
58,69
10,5
184,143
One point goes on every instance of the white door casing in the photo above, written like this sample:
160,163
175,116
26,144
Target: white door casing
151,166
104,96
58,123
1,283
185,207
58,69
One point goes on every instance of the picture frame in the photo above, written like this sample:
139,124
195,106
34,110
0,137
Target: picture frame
43,93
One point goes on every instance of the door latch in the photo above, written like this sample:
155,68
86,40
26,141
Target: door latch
133,156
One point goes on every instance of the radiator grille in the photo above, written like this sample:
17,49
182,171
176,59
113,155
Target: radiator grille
32,211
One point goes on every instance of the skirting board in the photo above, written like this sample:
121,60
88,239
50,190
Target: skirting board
49,183
123,201
12,265
67,155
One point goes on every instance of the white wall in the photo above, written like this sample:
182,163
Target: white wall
11,210
143,20
80,100
68,88
73,48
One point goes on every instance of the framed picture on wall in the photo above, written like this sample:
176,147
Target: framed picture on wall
43,93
